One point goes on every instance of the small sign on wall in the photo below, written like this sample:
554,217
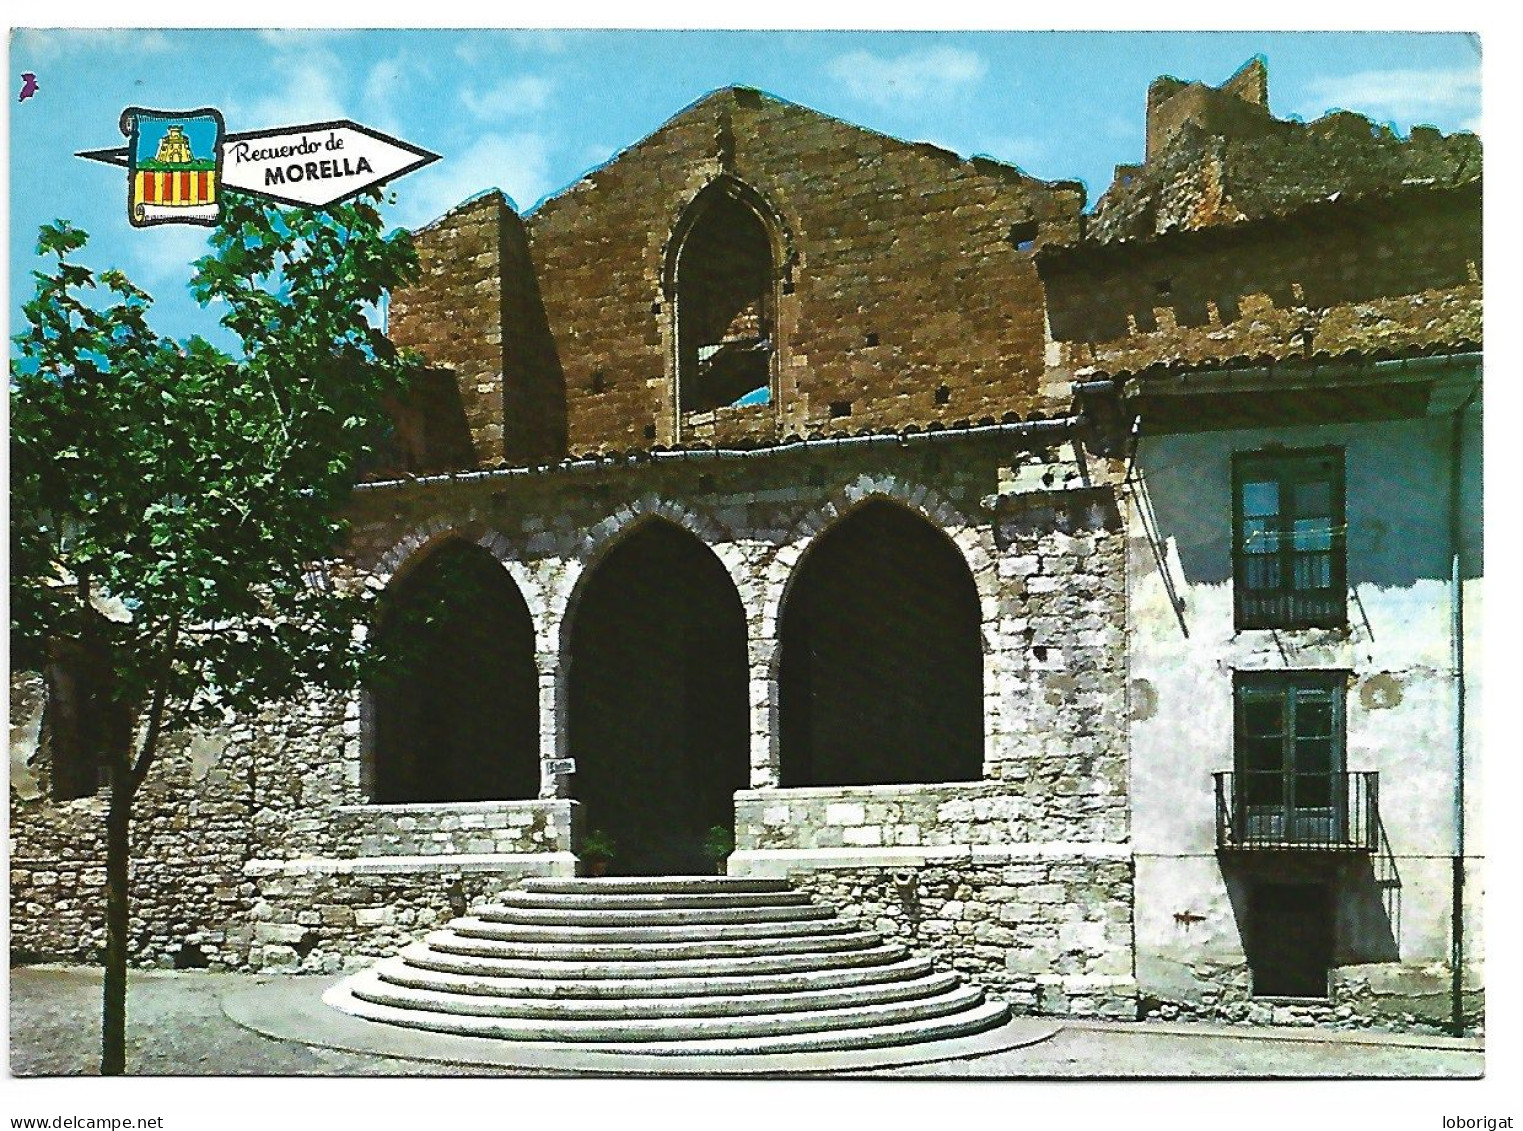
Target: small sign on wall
561,766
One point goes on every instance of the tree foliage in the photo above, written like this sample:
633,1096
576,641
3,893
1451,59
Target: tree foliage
171,504
174,508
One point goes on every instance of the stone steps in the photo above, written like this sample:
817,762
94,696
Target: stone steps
676,947
558,916
661,967
661,997
624,886
682,965
651,901
437,1013
423,964
705,930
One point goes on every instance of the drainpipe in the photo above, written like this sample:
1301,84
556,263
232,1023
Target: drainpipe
1457,645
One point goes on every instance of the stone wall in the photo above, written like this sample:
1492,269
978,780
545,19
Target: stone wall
471,828
1410,997
1387,274
453,314
192,828
1048,935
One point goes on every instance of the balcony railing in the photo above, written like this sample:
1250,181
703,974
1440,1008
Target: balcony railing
1291,811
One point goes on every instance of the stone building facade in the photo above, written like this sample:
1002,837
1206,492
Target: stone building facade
773,486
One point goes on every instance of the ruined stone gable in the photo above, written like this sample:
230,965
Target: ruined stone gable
904,288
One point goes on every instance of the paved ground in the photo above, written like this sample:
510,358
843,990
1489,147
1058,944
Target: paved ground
179,1024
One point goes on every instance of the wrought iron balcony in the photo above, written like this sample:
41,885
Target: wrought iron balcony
1288,811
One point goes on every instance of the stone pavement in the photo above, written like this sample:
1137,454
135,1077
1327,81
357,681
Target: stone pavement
204,1023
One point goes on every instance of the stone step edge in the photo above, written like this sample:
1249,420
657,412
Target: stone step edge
649,900
653,917
658,934
617,885
657,968
460,996
605,989
372,991
981,1018
594,951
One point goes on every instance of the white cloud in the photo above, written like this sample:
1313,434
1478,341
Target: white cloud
46,45
525,94
1407,96
517,163
930,74
388,79
483,45
300,87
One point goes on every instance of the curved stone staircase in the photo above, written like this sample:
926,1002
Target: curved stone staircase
679,965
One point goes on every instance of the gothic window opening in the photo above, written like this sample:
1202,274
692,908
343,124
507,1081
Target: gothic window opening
726,309
881,673
456,712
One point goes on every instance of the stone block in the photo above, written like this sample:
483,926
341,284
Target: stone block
845,813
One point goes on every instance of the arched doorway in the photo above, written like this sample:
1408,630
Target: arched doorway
881,671
456,713
657,703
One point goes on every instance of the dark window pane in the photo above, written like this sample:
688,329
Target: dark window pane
1314,755
1314,791
1263,715
1263,755
1314,715
1261,498
1263,787
1313,497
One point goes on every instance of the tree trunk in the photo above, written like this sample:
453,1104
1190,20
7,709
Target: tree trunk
113,1049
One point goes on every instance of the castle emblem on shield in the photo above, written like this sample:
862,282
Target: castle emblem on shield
174,165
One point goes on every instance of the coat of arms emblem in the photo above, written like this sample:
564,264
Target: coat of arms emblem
174,166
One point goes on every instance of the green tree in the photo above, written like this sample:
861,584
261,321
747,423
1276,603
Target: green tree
175,510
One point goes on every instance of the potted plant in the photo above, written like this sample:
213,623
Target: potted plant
718,843
598,852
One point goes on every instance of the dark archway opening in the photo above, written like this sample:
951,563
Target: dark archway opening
456,710
657,702
881,672
725,304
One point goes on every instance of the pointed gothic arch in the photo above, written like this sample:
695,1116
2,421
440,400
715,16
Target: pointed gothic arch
456,716
880,676
657,712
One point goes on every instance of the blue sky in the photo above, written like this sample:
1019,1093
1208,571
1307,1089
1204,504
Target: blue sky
531,111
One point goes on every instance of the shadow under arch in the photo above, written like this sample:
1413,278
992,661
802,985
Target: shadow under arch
454,709
657,707
880,665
